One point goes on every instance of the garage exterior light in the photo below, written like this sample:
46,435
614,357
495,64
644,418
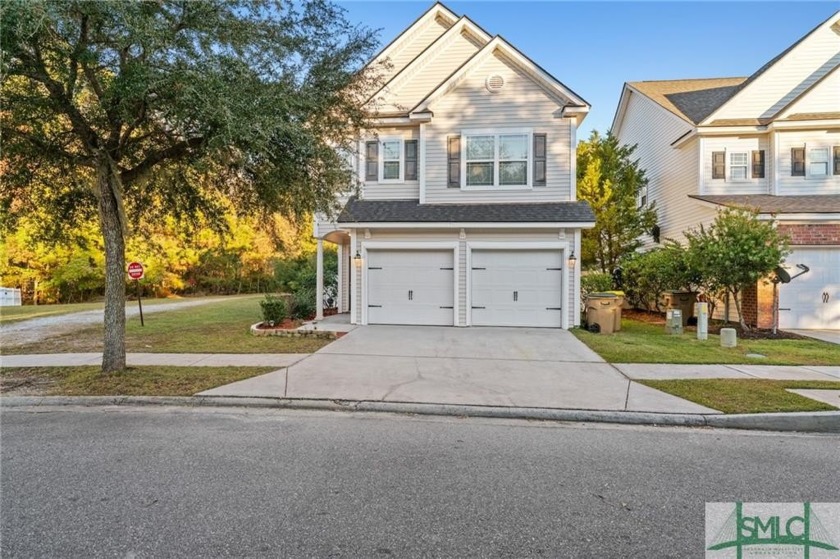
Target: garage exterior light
572,260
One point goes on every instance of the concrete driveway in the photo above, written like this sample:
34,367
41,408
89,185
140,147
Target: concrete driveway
518,367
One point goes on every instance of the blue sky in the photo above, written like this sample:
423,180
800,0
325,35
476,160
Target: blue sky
594,47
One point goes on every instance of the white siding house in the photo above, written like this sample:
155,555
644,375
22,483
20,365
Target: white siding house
770,141
466,214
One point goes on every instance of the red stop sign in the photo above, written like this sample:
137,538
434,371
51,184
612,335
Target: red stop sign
135,271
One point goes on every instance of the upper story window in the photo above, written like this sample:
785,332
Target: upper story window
391,160
485,159
817,162
739,166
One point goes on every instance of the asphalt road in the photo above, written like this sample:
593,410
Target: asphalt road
161,482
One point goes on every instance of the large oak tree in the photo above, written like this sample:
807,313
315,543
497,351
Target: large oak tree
160,106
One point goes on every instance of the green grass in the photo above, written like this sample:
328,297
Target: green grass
12,314
747,395
640,342
135,381
217,327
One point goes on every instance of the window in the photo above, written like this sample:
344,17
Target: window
496,159
738,166
818,162
391,160
719,165
797,162
411,160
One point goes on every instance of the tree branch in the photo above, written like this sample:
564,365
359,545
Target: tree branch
175,151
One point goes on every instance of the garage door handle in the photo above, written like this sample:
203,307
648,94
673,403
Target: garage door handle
448,307
410,295
553,309
554,269
479,268
375,306
374,268
447,268
479,307
515,296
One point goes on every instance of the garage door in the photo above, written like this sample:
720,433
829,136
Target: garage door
410,287
812,301
516,288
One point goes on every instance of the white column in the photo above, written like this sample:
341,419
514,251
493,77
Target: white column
319,283
339,293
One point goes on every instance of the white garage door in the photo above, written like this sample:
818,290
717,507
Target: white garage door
516,288
411,287
812,301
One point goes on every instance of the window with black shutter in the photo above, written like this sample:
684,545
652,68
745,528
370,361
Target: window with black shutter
758,164
454,161
539,160
797,162
837,160
411,160
371,161
718,164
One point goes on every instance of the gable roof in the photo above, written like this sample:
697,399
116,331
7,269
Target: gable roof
768,204
546,80
692,100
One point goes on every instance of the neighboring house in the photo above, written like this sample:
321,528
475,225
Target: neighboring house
466,213
770,141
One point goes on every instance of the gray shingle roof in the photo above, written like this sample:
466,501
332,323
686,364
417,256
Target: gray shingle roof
411,211
768,204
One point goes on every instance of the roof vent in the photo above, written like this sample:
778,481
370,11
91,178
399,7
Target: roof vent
495,83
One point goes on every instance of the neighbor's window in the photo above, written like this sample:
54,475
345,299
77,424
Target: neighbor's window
738,166
496,159
391,159
797,162
818,162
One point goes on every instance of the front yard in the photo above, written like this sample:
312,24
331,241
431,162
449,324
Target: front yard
642,342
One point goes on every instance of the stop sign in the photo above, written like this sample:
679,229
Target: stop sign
135,271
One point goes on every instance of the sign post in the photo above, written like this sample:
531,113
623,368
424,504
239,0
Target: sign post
136,272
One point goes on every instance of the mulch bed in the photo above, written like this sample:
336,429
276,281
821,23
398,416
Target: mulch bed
714,326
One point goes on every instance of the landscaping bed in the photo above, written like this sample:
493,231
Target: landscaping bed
747,395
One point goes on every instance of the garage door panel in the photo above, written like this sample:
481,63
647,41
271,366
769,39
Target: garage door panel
812,300
516,288
411,287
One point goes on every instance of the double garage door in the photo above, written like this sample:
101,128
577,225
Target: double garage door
812,300
505,287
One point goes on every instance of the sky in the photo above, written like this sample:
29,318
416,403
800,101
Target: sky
594,47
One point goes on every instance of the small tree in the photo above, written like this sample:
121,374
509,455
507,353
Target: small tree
736,251
611,181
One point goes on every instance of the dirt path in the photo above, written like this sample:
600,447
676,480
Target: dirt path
39,329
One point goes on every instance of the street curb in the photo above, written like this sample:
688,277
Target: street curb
816,422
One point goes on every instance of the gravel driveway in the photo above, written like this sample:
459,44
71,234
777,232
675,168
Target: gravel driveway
40,329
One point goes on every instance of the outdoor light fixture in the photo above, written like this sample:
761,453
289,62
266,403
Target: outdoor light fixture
358,258
572,260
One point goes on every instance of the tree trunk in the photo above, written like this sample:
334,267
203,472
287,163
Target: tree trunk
741,320
109,192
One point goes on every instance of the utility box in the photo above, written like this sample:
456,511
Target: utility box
701,311
674,322
684,302
602,309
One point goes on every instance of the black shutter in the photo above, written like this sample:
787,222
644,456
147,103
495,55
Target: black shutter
411,160
539,159
837,160
454,161
718,164
797,162
371,161
758,164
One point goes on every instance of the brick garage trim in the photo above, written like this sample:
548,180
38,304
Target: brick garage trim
814,234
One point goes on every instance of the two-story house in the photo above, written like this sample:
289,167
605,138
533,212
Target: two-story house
771,142
466,214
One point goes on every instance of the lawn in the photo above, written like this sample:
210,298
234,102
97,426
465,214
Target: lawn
12,314
641,342
217,327
747,395
135,381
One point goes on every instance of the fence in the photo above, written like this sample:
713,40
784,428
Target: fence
10,297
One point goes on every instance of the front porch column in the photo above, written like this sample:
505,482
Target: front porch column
339,295
319,282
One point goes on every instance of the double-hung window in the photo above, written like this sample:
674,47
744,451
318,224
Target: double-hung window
497,159
738,164
818,162
392,162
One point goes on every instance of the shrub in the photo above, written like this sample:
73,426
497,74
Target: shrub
593,282
646,276
273,309
303,304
